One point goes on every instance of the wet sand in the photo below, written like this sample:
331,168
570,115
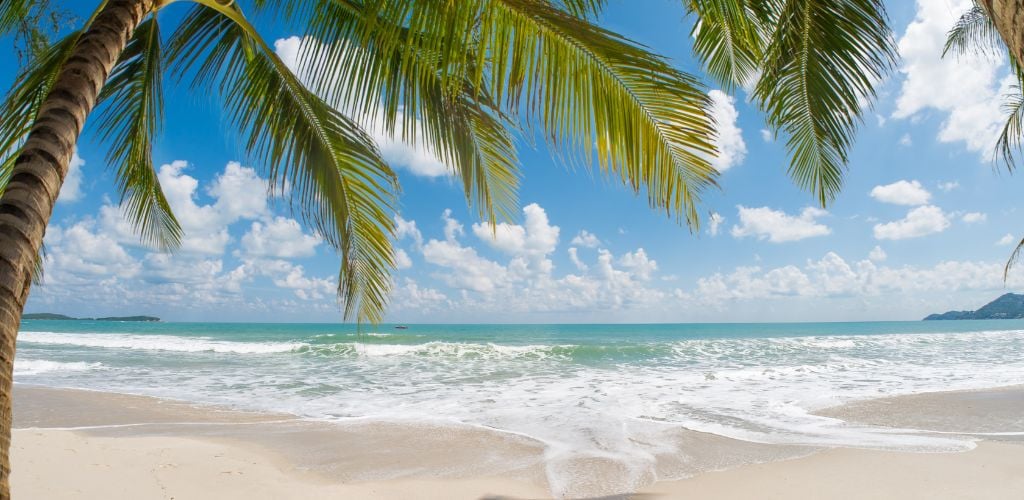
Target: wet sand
992,413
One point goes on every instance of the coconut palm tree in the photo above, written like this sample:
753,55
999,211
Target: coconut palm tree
980,33
464,76
811,64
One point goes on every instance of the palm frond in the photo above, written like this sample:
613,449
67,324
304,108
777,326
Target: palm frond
730,39
597,97
21,104
974,32
333,173
586,9
130,117
412,102
1010,262
485,156
13,11
823,63
1009,141
38,271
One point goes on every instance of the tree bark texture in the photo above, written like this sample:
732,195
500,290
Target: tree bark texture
1008,16
39,171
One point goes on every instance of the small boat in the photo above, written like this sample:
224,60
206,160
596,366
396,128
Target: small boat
401,327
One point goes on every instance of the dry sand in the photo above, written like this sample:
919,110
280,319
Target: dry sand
142,448
990,471
55,464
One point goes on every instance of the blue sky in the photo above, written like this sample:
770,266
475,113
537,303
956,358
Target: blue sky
923,224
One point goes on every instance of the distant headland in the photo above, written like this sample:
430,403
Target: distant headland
1008,306
52,316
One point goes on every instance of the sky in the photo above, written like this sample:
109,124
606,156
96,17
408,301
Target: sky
923,224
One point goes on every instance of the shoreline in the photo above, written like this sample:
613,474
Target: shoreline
174,444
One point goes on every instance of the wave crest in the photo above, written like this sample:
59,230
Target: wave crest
157,342
38,366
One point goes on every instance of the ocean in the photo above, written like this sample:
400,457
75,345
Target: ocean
584,390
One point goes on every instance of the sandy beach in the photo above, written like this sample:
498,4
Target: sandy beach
81,444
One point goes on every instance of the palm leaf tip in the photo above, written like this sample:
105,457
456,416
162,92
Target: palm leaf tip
821,68
1012,260
729,39
130,116
1009,141
22,103
973,32
650,121
337,182
12,12
594,96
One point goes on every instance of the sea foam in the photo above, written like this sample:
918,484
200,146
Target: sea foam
621,398
40,366
156,342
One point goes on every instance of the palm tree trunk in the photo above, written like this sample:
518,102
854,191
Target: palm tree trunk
27,202
1008,16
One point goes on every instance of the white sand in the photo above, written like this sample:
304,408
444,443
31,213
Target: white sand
991,471
187,452
55,465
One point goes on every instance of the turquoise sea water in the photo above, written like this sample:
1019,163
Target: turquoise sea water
586,390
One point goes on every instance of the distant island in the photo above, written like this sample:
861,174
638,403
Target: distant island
52,316
1008,306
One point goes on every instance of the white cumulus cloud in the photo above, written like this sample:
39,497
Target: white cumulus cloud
407,229
832,276
576,261
902,193
714,222
729,142
83,251
414,155
920,221
639,263
777,226
402,260
973,217
239,193
586,239
71,190
966,89
280,238
535,239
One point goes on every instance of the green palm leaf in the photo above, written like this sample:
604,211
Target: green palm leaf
974,32
466,130
474,138
13,11
129,119
1009,141
583,8
730,38
1010,262
597,97
823,61
329,168
21,105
